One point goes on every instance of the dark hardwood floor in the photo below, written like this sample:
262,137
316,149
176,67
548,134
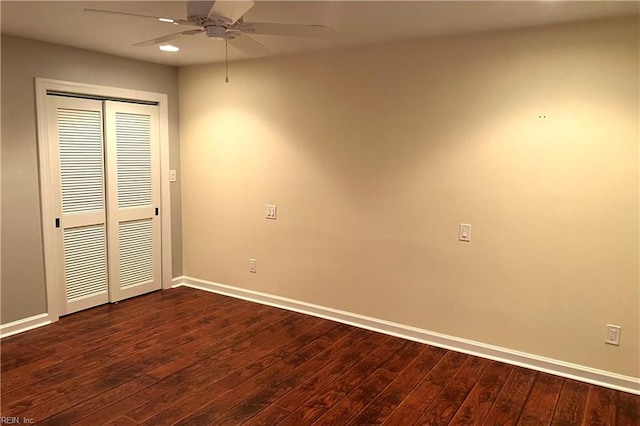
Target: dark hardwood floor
190,357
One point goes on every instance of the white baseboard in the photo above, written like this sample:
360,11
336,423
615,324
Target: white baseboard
547,365
177,281
25,324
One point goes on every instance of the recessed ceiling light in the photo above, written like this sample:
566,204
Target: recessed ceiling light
169,48
169,20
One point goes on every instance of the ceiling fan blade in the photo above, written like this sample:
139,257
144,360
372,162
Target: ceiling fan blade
198,9
168,37
247,45
231,10
291,30
157,18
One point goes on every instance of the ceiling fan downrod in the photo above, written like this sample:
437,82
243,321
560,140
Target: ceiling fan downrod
226,57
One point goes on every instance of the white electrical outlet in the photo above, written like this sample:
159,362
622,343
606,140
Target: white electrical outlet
173,176
464,233
270,211
253,265
613,335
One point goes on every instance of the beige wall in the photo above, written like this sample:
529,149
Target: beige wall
23,287
375,155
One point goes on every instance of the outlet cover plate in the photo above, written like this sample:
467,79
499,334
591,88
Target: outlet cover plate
253,266
613,335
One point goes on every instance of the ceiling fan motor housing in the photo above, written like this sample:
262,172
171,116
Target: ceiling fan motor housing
216,32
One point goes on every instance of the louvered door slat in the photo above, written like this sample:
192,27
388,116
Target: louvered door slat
133,134
81,160
136,252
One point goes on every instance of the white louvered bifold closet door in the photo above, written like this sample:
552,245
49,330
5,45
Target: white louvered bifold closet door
133,188
77,176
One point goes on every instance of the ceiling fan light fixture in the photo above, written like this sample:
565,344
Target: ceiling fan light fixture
169,48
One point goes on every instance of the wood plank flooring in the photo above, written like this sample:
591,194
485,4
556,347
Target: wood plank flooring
189,357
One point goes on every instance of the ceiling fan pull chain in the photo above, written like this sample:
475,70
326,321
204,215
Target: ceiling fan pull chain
226,56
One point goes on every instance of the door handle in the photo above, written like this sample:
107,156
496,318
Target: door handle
156,211
57,222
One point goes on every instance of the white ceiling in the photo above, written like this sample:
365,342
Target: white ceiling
358,23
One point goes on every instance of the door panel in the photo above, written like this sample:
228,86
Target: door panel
77,154
133,188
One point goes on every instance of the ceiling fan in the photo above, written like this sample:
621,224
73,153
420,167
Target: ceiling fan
222,20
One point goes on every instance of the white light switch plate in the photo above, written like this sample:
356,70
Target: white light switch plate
173,176
465,232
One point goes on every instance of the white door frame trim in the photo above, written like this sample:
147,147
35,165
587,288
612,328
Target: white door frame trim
55,302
